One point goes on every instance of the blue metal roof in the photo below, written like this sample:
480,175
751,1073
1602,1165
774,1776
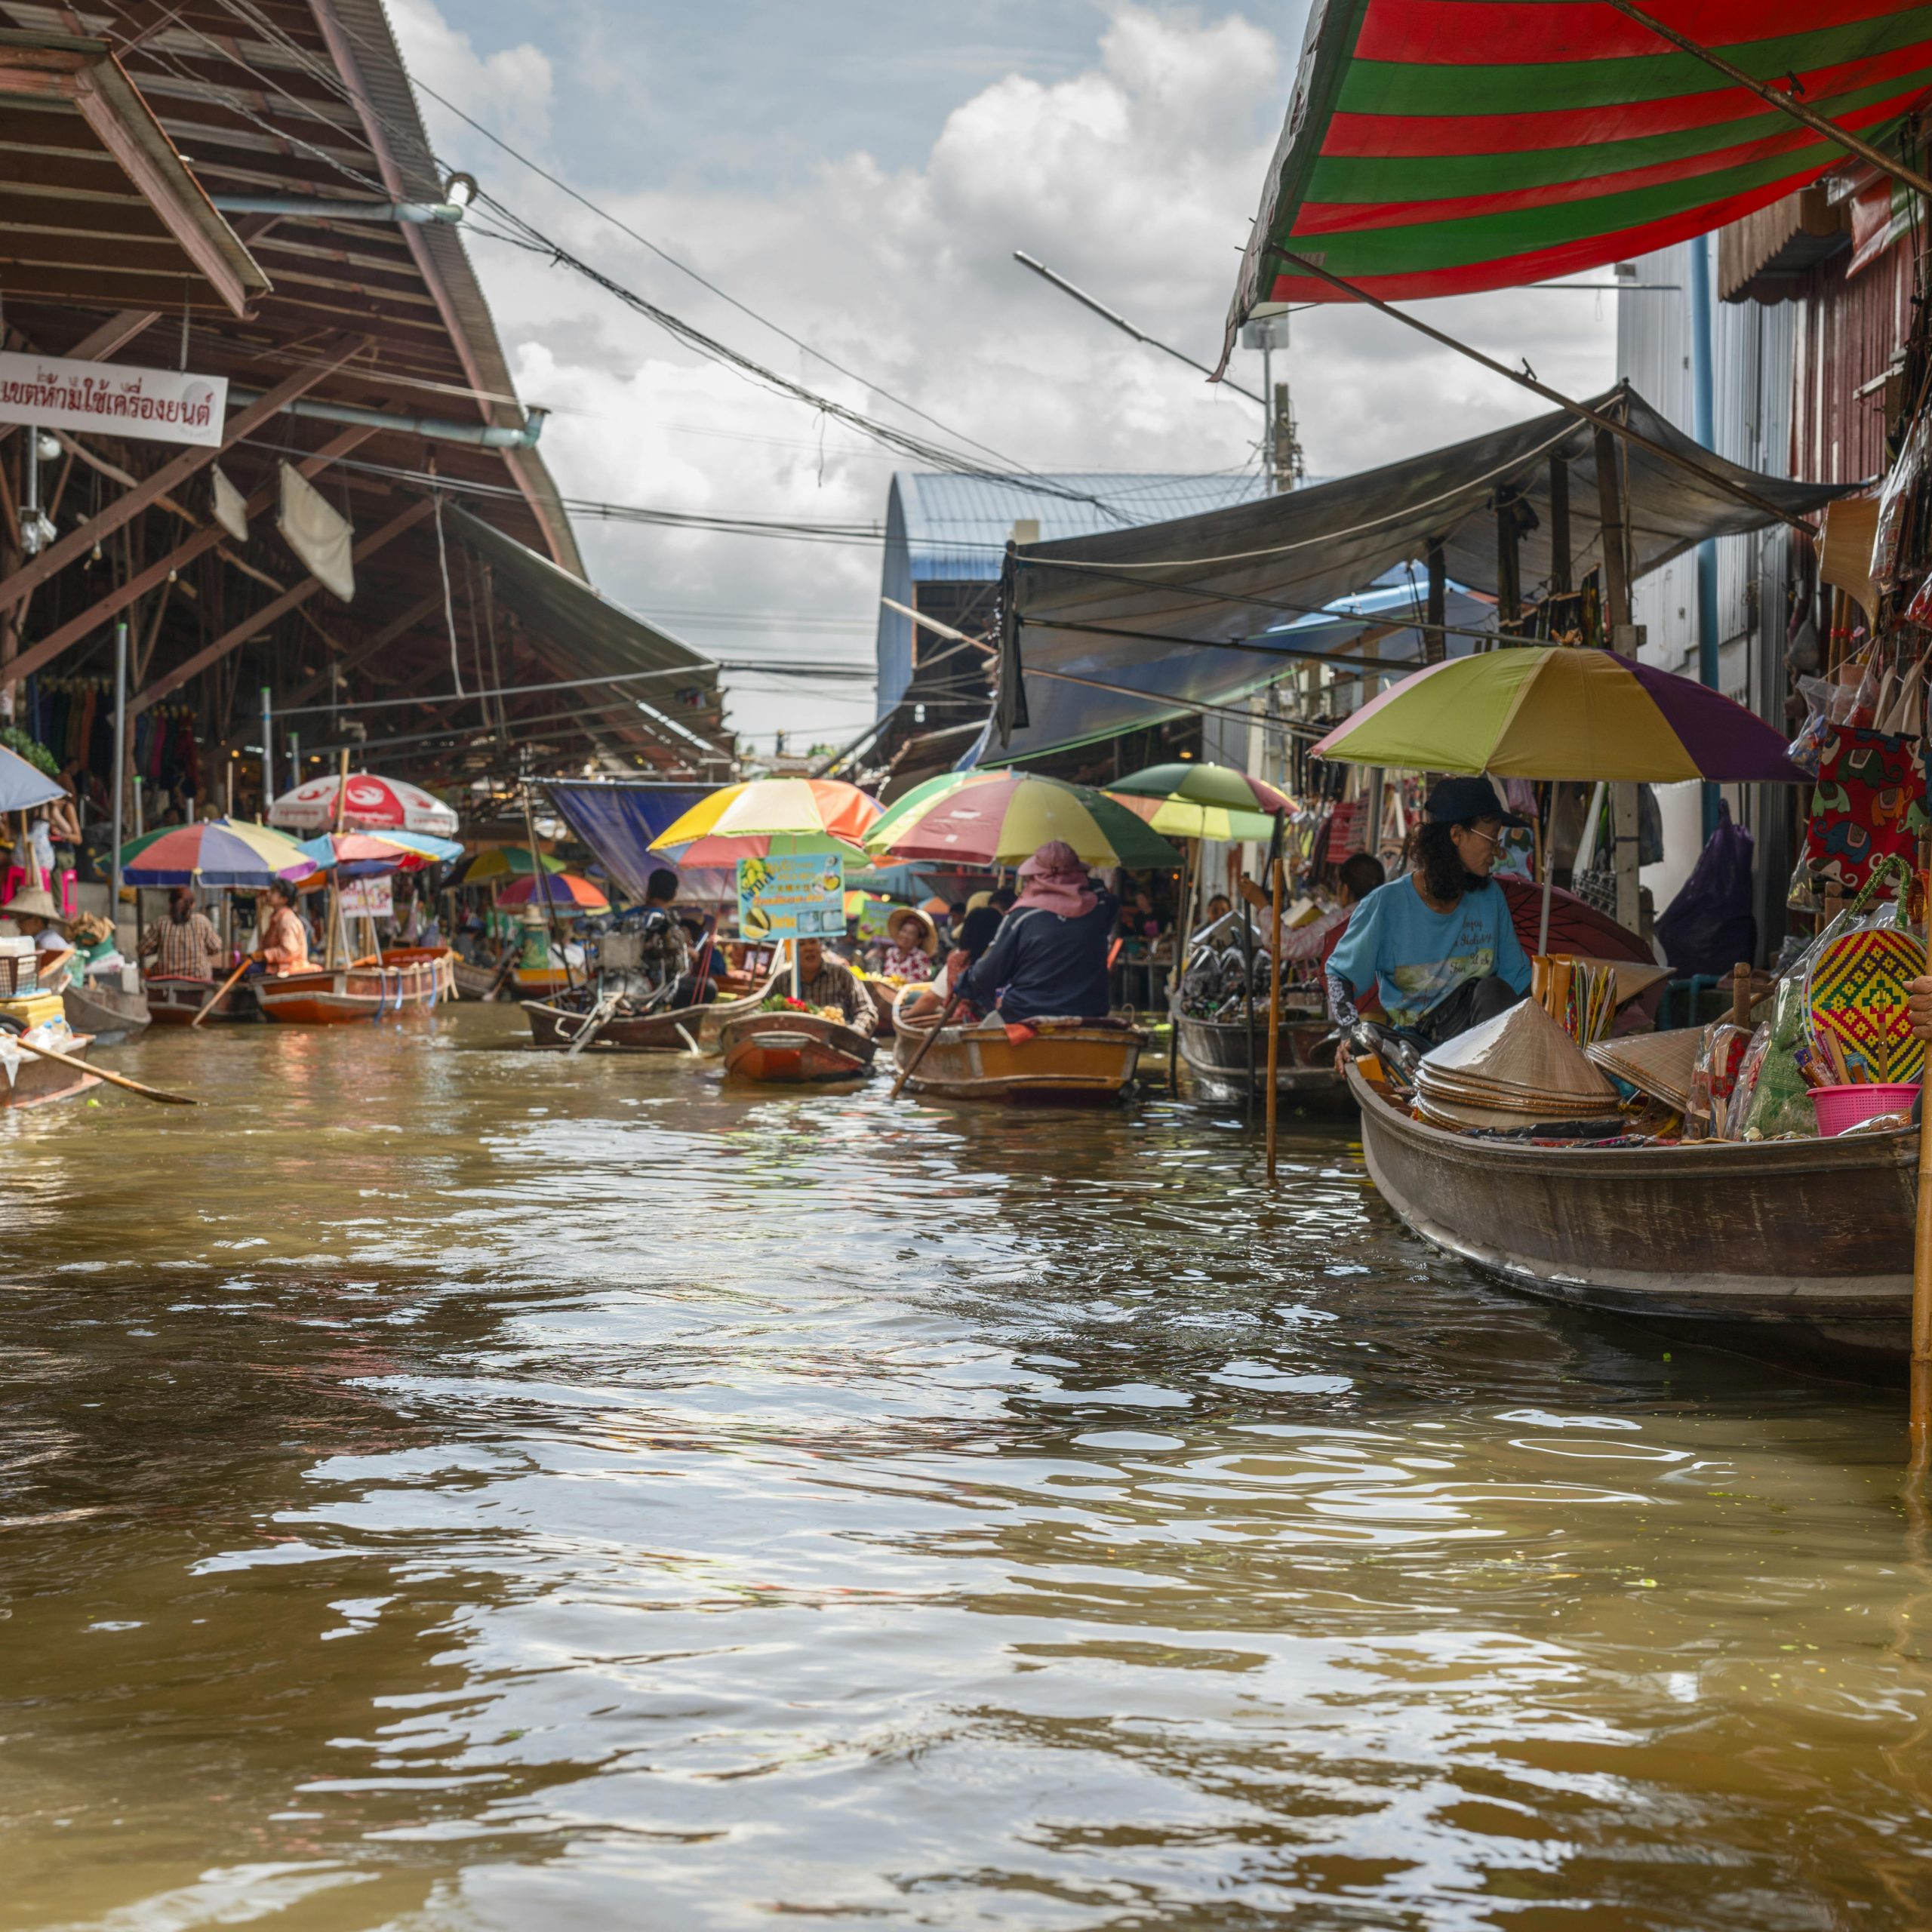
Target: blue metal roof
944,529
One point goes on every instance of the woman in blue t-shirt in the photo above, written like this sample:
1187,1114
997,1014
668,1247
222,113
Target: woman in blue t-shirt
1437,946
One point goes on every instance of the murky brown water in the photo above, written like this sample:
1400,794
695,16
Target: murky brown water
445,1488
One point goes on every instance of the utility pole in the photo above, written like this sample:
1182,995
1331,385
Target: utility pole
1281,448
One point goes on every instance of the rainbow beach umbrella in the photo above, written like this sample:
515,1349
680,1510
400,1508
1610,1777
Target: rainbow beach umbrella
1002,818
215,852
1561,711
501,861
1189,800
568,894
765,816
377,854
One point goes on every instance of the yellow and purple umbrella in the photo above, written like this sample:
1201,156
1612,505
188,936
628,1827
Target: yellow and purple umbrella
1559,711
1002,818
1189,800
214,852
767,816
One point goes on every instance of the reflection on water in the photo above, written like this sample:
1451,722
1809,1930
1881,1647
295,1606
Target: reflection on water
450,1488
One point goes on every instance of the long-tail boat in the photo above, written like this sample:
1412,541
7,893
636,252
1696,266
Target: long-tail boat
677,1029
1045,1060
1798,1251
402,980
793,1049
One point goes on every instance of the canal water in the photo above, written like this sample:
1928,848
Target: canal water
447,1487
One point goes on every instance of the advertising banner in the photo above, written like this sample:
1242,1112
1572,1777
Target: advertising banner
111,399
791,896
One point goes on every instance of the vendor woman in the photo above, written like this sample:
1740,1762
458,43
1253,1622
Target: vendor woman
1437,947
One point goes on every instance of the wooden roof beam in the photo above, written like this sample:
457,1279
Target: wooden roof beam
49,647
238,634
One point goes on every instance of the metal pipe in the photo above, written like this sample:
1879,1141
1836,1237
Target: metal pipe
485,435
1703,403
320,209
120,755
267,751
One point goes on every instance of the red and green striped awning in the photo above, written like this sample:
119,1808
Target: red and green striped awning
1441,147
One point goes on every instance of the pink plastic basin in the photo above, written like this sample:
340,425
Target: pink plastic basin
1840,1107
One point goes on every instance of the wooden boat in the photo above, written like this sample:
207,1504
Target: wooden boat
793,1048
36,1081
476,982
668,1030
173,1002
1215,1052
1798,1251
105,1012
403,980
1055,1059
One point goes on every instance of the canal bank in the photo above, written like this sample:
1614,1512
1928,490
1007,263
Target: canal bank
448,1484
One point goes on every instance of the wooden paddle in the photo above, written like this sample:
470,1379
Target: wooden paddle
912,1066
156,1094
215,998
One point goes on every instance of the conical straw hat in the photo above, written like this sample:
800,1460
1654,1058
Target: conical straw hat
1455,1113
1525,1049
1508,1100
1661,1064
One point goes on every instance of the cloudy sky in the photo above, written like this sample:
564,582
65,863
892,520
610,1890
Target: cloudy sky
858,173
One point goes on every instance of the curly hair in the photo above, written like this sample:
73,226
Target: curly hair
1432,856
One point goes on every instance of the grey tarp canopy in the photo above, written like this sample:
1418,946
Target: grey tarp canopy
1231,576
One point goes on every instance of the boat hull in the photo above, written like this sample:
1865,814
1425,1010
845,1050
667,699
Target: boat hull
175,1002
794,1049
676,1030
1215,1053
106,1013
406,979
36,1082
1798,1251
1063,1060
474,982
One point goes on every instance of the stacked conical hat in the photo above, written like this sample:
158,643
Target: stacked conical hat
1658,1064
1514,1071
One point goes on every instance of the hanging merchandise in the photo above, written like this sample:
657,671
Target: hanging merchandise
1868,805
1856,986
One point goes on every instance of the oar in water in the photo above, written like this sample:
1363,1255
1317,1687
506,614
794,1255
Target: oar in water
215,998
912,1066
156,1094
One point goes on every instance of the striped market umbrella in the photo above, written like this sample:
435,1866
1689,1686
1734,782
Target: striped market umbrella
568,894
765,816
215,852
376,854
1002,818
1188,801
1438,150
1558,711
501,861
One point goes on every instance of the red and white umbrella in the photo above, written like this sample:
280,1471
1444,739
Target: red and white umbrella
374,804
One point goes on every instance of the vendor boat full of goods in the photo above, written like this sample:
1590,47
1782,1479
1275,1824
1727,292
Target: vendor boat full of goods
1721,1204
31,1016
790,1044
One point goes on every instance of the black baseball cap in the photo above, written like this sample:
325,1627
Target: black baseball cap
1467,800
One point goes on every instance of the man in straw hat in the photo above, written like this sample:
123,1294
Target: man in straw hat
1437,946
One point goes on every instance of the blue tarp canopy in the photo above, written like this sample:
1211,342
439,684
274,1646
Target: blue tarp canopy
618,819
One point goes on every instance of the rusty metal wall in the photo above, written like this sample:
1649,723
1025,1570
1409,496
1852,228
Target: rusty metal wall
1850,335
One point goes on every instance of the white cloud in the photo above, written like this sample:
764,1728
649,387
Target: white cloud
1137,177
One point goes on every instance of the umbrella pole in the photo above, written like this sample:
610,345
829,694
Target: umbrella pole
1274,867
1542,925
1248,980
540,883
1183,931
120,764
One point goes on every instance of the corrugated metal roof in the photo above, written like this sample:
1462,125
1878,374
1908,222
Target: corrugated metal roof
956,528
942,529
